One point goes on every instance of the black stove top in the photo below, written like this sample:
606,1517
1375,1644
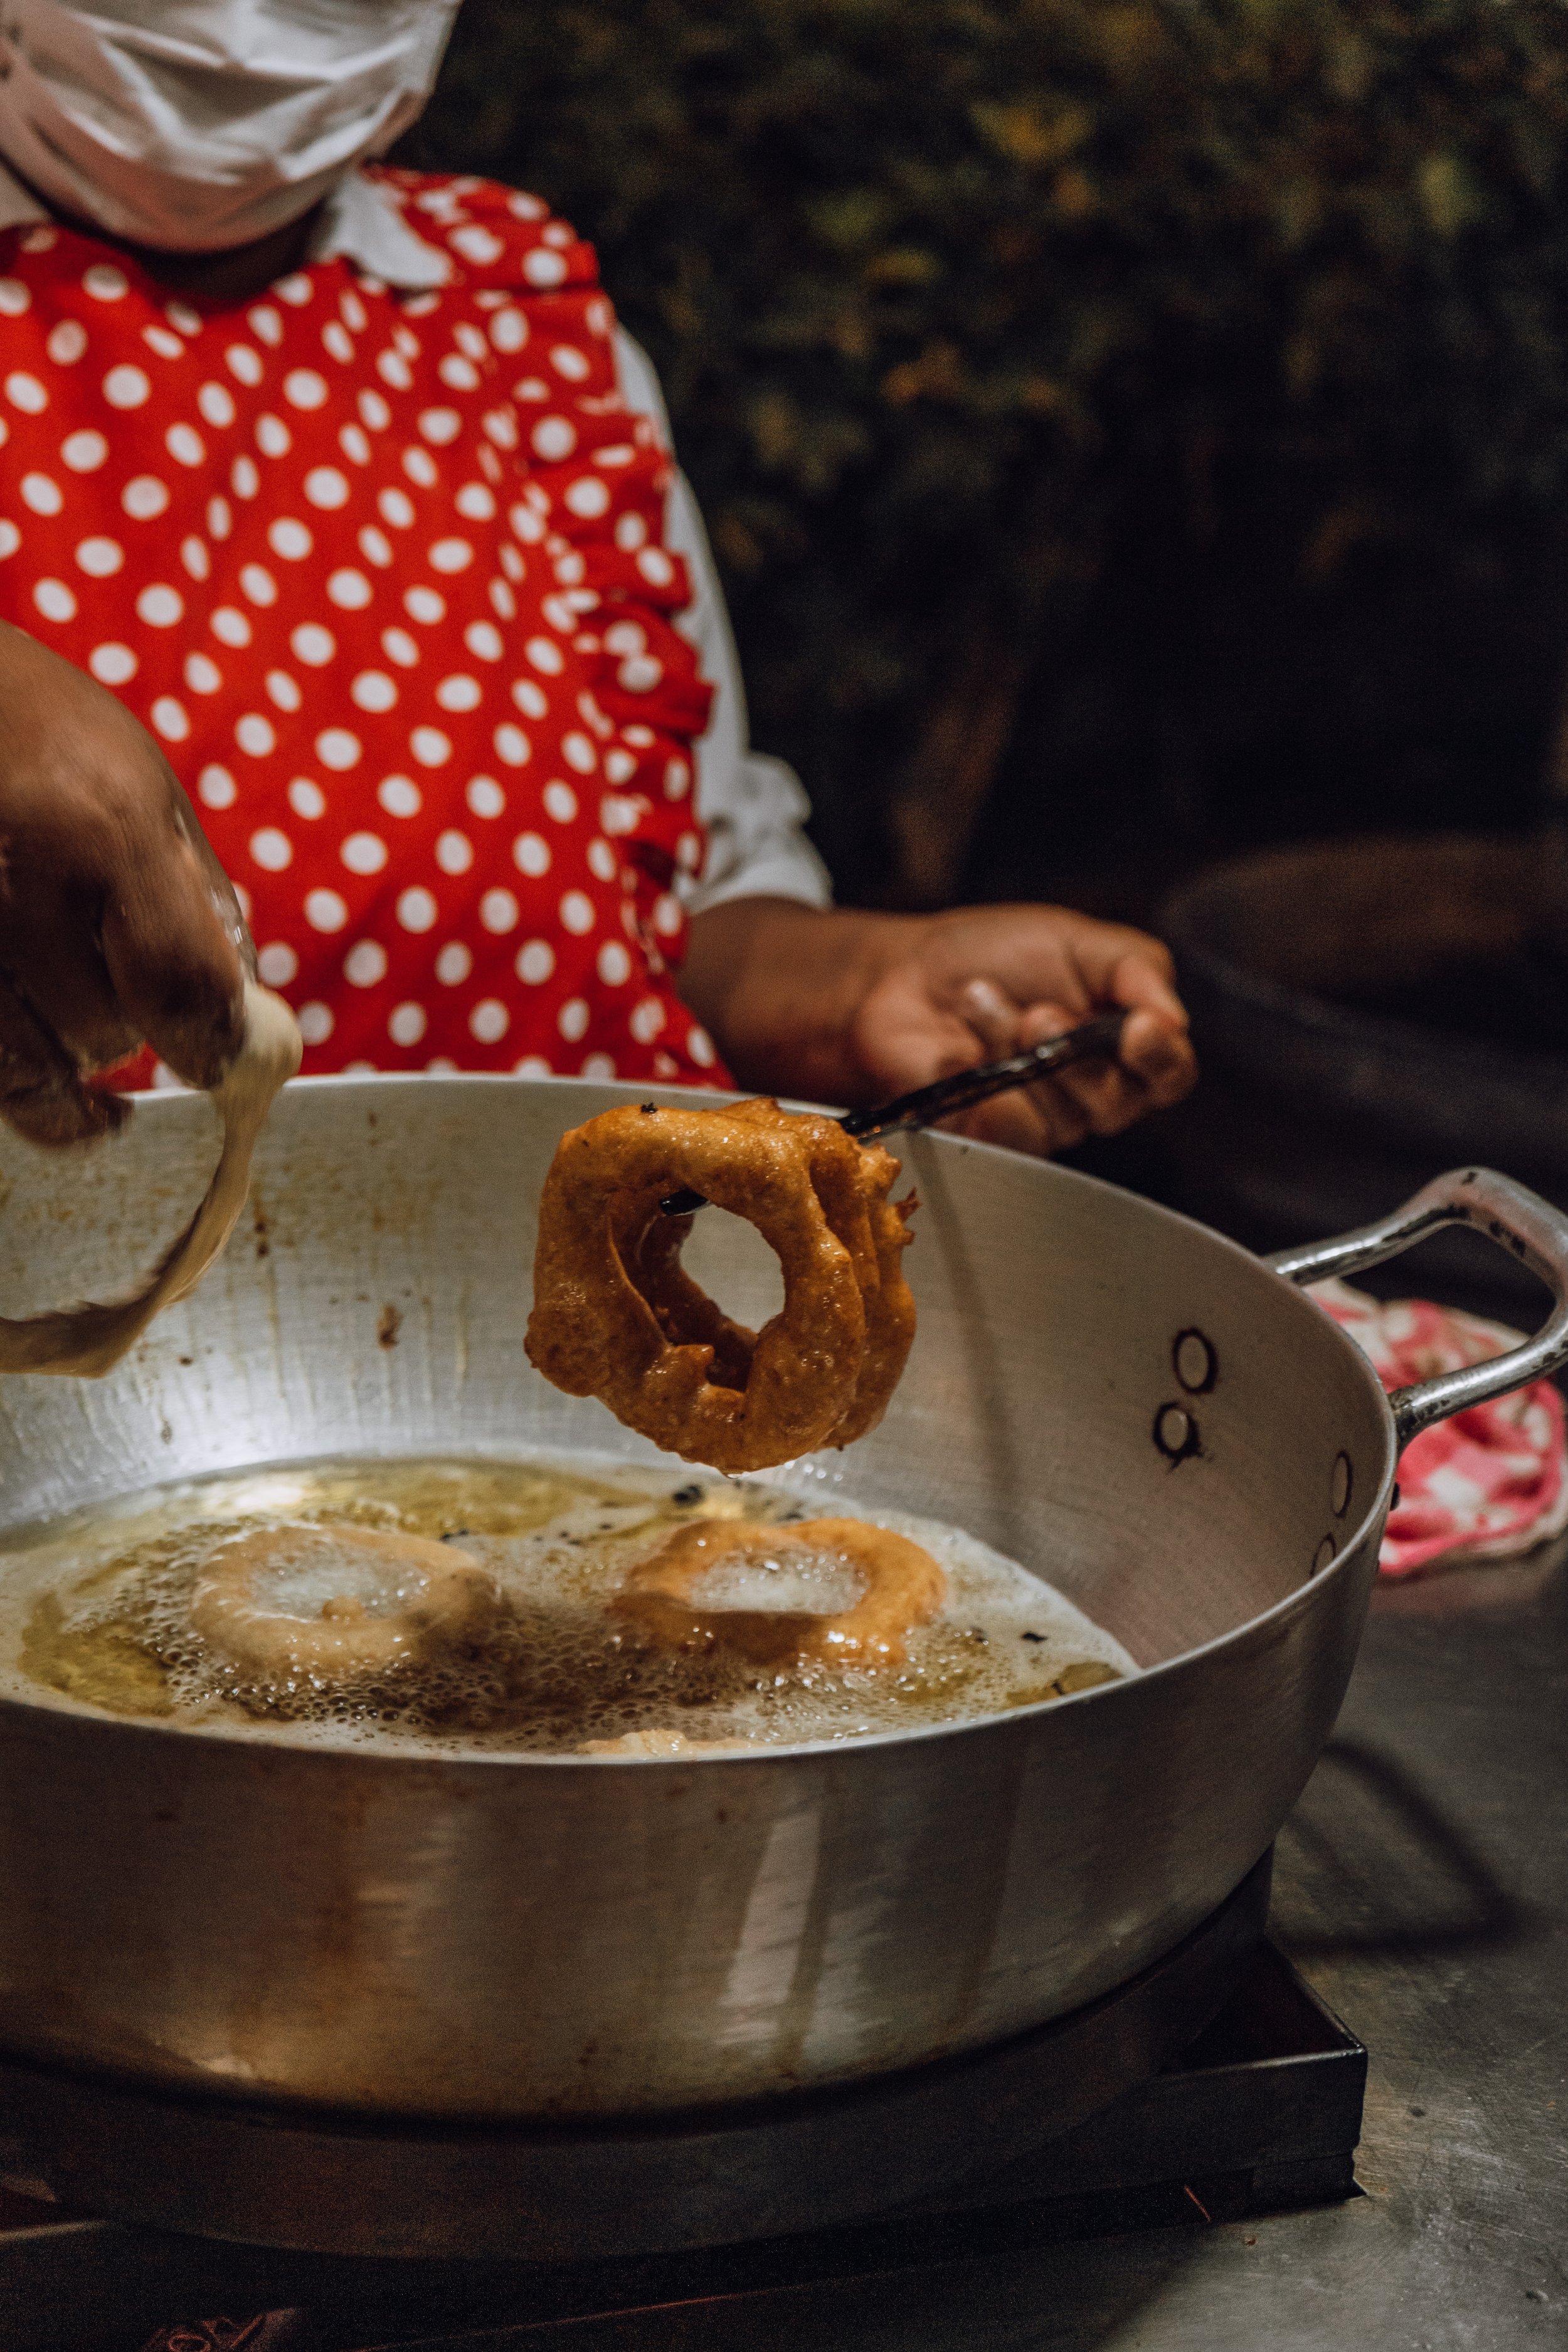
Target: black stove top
1260,2113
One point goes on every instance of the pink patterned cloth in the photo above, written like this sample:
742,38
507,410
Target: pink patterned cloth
1488,1483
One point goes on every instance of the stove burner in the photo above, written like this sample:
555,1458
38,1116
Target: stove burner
1260,2112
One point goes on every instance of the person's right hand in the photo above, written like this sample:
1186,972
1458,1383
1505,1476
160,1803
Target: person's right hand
116,924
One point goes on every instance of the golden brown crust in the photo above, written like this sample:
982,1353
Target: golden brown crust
889,1306
649,1249
853,1181
904,1588
593,1333
615,1314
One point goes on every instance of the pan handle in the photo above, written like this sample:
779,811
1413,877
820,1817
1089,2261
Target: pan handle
1517,1221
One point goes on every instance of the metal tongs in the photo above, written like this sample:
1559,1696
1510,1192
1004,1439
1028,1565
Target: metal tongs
1096,1040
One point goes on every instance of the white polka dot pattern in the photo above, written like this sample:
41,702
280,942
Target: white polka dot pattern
411,649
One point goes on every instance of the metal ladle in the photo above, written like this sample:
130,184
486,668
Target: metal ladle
1096,1040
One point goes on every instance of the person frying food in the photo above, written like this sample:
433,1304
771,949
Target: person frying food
333,494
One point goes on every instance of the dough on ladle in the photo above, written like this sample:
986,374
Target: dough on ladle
88,1341
330,1605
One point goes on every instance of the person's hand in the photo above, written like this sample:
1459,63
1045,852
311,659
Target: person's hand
986,982
116,924
855,1008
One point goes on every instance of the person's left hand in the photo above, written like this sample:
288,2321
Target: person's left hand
856,1007
986,982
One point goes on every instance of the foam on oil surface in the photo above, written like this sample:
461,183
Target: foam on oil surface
98,1609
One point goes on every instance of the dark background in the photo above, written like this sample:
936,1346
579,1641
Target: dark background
1128,432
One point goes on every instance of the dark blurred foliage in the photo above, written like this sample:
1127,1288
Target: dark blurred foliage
1126,427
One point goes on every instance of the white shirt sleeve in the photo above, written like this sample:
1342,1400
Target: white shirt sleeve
753,807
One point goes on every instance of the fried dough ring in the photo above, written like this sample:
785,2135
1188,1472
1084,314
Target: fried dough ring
853,1180
651,1249
904,1588
616,1317
688,1376
442,1600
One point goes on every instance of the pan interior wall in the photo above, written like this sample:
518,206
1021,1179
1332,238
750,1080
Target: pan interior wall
1117,1399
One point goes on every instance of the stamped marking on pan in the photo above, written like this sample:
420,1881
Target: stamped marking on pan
1176,1433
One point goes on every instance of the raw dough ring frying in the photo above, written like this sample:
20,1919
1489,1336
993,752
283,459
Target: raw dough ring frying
444,1599
904,1588
594,1332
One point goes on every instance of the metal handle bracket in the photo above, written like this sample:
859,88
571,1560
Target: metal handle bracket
1519,1221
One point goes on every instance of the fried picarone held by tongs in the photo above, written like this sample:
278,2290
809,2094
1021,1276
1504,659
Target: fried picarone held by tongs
616,1317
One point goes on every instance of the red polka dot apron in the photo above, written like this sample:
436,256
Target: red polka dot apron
384,575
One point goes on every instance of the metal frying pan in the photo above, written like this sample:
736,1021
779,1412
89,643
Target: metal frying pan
1120,1398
